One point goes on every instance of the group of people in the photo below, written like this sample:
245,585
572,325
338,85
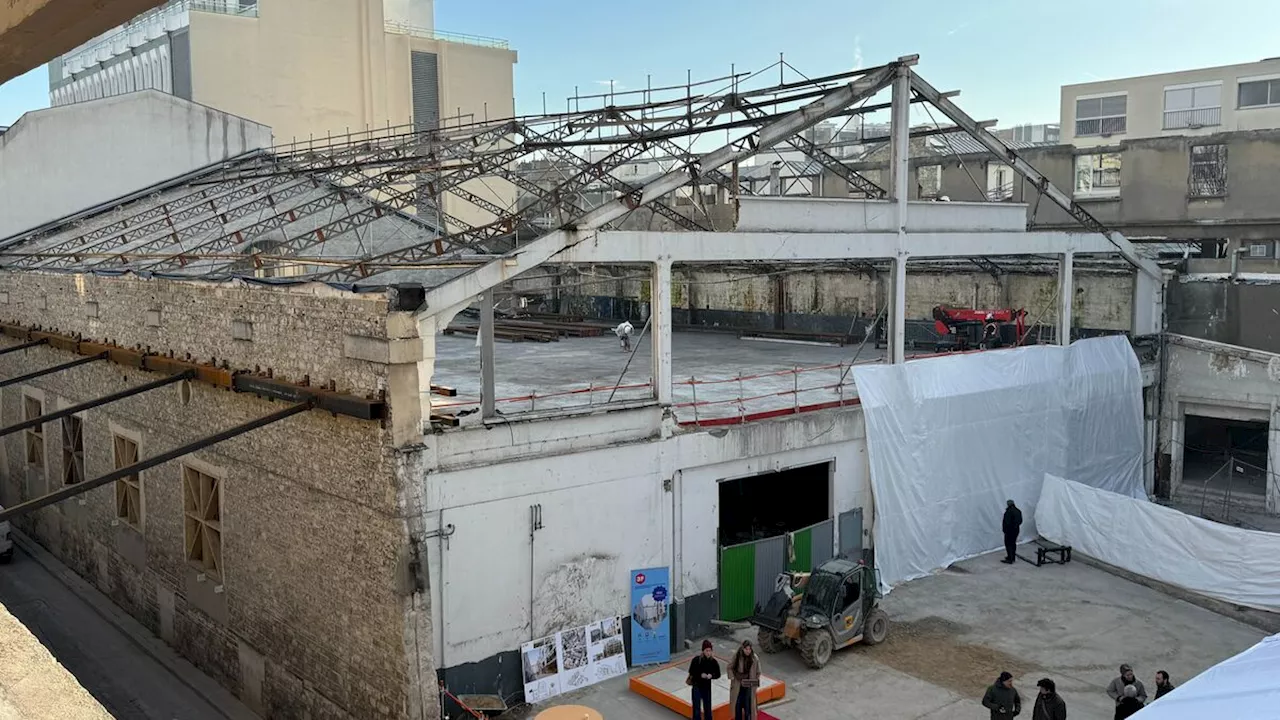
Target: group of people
744,679
1004,702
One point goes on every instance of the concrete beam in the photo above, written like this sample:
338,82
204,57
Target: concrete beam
1066,294
33,32
625,246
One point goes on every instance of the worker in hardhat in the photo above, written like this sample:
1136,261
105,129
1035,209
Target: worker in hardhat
623,331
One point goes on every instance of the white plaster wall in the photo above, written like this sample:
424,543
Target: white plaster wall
605,511
62,160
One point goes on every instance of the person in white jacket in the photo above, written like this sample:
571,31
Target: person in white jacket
623,331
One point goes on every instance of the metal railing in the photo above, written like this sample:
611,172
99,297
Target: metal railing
400,28
1110,125
1193,118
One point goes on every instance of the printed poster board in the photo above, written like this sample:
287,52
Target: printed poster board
650,620
572,659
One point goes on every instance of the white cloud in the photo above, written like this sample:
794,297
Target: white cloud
857,52
616,85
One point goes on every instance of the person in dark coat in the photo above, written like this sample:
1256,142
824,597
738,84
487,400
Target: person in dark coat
702,671
1163,686
1012,525
1002,699
1049,704
1129,703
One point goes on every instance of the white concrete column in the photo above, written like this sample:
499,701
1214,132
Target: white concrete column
1273,460
487,398
899,175
660,338
1148,300
897,298
1066,293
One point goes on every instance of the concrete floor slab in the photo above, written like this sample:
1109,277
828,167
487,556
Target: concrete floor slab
953,632
714,360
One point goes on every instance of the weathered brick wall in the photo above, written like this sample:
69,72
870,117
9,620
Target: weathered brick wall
308,622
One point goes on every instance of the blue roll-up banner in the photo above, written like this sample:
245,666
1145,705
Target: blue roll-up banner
650,622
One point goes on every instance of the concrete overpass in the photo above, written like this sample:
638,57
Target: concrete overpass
33,32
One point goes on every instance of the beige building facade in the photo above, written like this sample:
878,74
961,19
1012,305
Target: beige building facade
1191,102
308,69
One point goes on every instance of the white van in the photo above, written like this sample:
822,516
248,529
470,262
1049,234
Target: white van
6,542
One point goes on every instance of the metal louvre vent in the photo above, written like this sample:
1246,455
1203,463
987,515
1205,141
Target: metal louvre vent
426,90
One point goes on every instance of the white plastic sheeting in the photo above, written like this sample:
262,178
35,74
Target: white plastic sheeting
1228,563
1244,687
951,438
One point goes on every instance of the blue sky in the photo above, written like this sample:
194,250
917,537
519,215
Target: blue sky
1008,57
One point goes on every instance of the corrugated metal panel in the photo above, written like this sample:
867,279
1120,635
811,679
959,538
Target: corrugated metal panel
824,540
802,551
425,77
737,581
851,534
771,559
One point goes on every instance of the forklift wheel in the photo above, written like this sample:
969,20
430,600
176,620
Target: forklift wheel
771,641
876,629
815,648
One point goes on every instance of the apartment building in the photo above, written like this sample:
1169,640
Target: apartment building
1190,102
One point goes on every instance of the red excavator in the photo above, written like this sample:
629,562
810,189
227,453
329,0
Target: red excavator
964,329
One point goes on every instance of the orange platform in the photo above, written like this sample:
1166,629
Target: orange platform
666,687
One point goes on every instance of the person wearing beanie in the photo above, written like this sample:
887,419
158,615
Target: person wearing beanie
1116,689
1049,704
1002,699
1129,703
702,671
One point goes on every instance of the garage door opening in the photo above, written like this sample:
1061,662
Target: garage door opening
1225,455
772,504
770,524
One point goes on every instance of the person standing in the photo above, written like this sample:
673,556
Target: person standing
1129,703
744,679
1163,686
1012,525
1116,689
1002,699
702,671
1049,704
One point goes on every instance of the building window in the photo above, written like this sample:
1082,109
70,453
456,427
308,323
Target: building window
1261,248
72,450
929,178
33,408
202,510
1101,116
1098,174
128,488
1259,93
999,182
1208,170
1193,107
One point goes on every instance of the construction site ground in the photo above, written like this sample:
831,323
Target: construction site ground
552,369
954,632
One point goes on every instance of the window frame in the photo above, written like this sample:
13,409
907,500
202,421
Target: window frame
1273,91
1221,160
202,519
72,457
129,493
1101,118
34,448
1095,190
1209,120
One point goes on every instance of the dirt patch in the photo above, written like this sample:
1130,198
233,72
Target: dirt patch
930,650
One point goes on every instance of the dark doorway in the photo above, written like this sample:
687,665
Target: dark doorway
763,506
1222,454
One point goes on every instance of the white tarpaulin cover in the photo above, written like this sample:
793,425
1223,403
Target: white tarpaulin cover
1220,561
1245,687
951,438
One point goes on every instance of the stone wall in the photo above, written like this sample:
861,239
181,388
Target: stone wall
829,300
307,618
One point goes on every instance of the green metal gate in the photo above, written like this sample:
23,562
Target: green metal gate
748,571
